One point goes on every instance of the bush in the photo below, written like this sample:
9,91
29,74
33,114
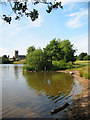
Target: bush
62,65
28,68
87,57
69,65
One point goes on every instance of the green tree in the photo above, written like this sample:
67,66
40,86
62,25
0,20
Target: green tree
30,49
68,51
87,57
53,51
59,50
82,55
36,60
4,59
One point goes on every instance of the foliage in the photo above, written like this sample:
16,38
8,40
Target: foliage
87,57
4,60
36,60
28,68
68,51
59,50
56,55
62,65
22,8
53,51
30,49
81,56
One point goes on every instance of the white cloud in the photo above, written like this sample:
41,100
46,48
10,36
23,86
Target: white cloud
80,43
17,26
5,51
64,2
75,20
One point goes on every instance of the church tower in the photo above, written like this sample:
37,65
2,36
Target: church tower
16,53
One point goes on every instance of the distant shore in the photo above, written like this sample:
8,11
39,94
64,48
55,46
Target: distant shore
79,108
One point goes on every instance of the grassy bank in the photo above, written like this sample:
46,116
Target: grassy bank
20,62
84,72
82,66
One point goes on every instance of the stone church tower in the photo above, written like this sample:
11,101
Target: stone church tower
16,53
21,57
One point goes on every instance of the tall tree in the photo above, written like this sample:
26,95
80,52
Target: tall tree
59,50
68,51
53,51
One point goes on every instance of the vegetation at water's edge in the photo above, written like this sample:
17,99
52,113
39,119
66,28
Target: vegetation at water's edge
6,60
84,72
56,55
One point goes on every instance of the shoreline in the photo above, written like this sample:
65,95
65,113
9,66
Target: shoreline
79,107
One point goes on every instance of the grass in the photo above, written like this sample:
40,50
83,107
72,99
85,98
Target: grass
19,62
82,66
84,72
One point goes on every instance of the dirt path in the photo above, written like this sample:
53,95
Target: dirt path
79,108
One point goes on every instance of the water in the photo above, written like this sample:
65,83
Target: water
32,95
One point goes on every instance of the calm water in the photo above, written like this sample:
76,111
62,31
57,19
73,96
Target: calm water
32,95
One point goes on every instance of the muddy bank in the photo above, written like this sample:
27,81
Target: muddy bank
79,107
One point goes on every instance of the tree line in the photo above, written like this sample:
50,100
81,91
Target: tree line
83,56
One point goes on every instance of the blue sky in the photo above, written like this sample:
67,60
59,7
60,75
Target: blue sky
68,23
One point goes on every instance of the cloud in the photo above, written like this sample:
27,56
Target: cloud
80,43
5,51
18,26
76,19
64,2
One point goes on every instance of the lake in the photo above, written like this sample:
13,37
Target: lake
35,94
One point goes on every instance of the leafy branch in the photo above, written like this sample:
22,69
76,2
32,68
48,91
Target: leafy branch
21,8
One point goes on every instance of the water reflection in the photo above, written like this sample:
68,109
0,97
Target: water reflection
16,72
31,95
50,83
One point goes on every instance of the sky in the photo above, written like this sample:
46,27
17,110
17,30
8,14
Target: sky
71,23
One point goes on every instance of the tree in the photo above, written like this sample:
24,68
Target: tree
36,60
30,49
59,50
53,51
22,8
5,56
68,51
87,57
4,59
81,56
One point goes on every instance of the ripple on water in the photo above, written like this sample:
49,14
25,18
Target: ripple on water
34,94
